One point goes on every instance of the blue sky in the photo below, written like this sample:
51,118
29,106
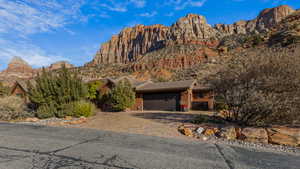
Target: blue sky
45,31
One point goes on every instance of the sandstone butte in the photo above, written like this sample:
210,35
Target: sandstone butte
132,43
189,41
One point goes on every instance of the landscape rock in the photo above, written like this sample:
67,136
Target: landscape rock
210,131
259,135
185,131
284,136
32,119
229,133
68,118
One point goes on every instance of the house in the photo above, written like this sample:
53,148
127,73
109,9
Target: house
19,89
167,96
173,96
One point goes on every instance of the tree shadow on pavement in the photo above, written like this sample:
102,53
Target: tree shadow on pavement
166,117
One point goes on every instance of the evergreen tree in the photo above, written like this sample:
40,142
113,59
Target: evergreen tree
55,89
93,90
122,96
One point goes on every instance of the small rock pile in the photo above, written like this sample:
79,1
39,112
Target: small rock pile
275,135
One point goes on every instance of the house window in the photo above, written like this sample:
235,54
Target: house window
19,94
200,95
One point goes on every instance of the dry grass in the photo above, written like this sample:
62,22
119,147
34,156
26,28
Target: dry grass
13,108
12,102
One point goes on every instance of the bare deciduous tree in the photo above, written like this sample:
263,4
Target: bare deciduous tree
261,87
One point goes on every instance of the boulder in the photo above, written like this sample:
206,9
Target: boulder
187,132
32,119
258,135
229,133
284,136
211,131
68,118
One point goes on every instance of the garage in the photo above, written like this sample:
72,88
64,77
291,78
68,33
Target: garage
162,101
200,106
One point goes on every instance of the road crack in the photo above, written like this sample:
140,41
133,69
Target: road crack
228,162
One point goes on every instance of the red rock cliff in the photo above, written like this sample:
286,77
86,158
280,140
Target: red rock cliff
134,42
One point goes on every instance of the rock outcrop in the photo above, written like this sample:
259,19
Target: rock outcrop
58,65
18,65
132,43
267,19
191,28
18,69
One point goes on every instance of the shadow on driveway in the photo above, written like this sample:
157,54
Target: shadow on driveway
168,117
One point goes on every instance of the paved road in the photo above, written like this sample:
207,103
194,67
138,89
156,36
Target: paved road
39,147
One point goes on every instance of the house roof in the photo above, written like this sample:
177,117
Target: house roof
200,87
135,83
23,84
167,86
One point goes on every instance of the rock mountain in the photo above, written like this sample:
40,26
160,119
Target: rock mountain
189,48
135,43
19,69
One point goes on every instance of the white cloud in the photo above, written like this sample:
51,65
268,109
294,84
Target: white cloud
122,6
21,18
149,14
183,4
138,3
32,16
32,54
117,7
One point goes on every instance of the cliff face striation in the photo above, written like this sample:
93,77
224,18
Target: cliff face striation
133,43
130,43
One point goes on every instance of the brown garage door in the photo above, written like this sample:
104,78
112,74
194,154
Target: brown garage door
162,101
200,106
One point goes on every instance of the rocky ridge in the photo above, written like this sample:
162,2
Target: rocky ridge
18,69
134,43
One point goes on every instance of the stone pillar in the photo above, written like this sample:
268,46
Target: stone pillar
186,99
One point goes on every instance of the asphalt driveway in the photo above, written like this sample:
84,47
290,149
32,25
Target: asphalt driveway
42,147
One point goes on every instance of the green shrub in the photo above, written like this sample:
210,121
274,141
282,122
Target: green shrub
122,96
66,110
83,108
78,109
93,90
46,111
55,89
